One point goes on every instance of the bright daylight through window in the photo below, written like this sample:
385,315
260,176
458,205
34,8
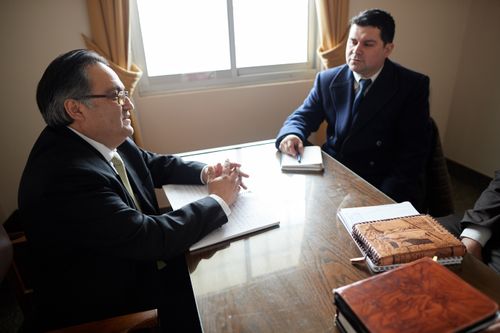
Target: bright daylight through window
192,44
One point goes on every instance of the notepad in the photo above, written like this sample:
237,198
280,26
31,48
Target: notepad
311,160
388,235
249,214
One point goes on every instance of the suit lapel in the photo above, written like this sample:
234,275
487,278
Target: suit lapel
142,195
140,189
341,92
382,90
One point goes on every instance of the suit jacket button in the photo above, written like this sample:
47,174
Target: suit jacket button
378,143
372,163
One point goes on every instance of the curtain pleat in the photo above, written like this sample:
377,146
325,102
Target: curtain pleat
334,26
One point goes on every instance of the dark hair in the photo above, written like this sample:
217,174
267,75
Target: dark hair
379,19
65,77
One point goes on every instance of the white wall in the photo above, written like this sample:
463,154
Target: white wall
198,120
429,38
473,136
32,33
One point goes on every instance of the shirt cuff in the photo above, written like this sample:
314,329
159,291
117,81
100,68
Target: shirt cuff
222,203
201,174
478,233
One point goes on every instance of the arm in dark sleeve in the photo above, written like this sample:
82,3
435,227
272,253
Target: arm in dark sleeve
163,169
92,217
307,118
486,211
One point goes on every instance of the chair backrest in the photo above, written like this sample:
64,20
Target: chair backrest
20,274
439,198
5,252
20,277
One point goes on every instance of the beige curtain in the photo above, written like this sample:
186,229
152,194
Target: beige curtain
333,25
110,29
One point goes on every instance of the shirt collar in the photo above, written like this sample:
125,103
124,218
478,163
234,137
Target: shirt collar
358,77
105,151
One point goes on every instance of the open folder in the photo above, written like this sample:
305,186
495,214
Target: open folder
249,213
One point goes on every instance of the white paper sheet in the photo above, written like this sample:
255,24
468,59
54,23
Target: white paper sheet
248,214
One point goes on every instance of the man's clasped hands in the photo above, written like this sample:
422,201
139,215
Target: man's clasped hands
224,180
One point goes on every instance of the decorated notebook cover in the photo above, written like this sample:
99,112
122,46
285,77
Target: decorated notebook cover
404,239
421,296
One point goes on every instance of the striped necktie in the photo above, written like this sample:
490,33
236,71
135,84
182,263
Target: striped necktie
363,85
122,172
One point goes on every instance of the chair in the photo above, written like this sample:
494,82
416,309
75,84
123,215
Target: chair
20,278
438,193
145,321
5,252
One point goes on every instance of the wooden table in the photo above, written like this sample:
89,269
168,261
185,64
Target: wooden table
281,280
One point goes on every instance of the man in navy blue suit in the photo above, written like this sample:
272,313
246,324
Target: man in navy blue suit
386,138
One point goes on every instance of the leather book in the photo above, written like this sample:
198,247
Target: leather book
404,239
421,296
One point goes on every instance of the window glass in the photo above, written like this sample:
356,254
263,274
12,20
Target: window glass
193,44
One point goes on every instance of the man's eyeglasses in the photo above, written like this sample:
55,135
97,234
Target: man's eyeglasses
118,96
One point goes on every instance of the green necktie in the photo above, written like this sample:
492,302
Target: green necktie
122,172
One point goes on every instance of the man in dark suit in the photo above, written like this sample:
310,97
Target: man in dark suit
386,138
96,243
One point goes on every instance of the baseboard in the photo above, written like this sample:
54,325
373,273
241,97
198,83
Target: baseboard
460,171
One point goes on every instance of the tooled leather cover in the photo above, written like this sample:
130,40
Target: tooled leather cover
404,239
422,296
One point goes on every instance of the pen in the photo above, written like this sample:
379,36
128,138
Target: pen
358,260
299,157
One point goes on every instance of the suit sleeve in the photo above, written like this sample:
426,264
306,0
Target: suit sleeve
82,205
486,211
92,216
162,169
307,118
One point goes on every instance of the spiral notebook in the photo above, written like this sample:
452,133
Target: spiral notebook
389,235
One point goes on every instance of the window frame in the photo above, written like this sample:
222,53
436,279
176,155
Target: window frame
234,77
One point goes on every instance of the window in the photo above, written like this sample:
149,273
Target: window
195,44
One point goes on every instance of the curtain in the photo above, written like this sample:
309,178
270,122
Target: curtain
334,26
110,29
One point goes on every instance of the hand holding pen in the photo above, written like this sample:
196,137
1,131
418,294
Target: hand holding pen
293,146
299,155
